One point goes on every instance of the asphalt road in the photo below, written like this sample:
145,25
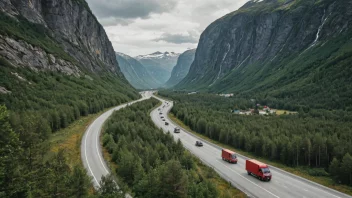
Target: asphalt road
283,184
91,153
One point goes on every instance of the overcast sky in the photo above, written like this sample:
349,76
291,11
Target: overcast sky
138,27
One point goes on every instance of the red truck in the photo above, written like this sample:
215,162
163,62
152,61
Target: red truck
258,169
229,156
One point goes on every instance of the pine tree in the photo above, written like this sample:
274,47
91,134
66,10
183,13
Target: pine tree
10,176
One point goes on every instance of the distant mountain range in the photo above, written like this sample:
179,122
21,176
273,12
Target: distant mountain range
182,67
159,64
135,72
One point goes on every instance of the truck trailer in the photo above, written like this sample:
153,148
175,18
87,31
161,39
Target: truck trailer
229,156
258,169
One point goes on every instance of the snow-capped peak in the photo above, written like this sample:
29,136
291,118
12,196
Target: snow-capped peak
158,55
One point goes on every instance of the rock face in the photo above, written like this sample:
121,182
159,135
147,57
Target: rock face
22,54
136,74
72,25
181,69
248,46
159,64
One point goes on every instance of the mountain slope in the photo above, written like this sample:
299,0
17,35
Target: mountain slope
56,66
294,49
159,64
56,60
56,29
135,72
182,67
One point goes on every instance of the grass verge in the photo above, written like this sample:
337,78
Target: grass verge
69,139
299,171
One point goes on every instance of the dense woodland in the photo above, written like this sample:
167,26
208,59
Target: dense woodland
315,138
150,161
39,104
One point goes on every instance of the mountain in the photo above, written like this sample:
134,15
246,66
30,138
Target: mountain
290,49
182,67
135,72
57,65
56,60
159,64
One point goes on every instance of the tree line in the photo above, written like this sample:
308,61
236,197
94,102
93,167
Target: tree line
149,161
306,139
41,103
57,99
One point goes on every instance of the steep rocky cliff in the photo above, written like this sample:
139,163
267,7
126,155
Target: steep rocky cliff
68,25
135,72
282,48
182,67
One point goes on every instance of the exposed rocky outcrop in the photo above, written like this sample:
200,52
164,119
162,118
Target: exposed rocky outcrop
22,54
3,90
72,25
263,33
181,69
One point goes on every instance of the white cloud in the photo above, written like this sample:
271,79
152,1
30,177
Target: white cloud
138,27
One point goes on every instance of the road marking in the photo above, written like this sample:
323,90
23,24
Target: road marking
247,179
85,153
97,149
241,176
312,186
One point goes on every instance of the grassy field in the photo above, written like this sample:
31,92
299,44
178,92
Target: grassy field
282,112
299,171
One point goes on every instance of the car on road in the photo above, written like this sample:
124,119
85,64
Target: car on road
161,113
159,109
166,123
199,143
163,119
177,130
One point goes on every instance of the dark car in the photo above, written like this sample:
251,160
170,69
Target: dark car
199,143
177,130
163,119
160,113
166,123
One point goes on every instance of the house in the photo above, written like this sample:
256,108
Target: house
266,108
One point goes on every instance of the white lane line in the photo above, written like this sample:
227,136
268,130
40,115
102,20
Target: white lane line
247,179
97,149
242,176
309,185
85,153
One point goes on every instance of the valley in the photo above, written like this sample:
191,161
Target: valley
104,99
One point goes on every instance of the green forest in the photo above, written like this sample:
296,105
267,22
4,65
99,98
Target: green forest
38,105
319,139
149,161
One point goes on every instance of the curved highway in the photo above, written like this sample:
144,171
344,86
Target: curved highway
91,153
282,185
